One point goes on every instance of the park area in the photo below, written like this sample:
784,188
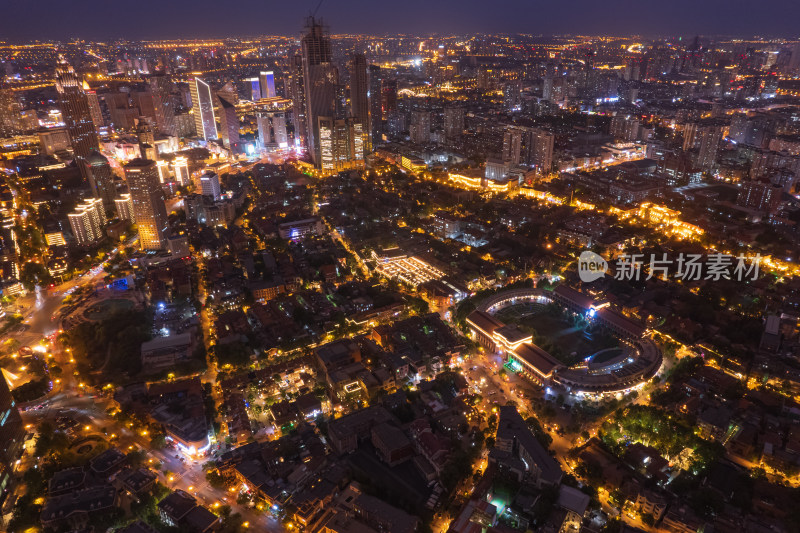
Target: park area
568,337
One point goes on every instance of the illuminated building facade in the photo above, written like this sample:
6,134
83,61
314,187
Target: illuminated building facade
266,82
75,109
101,179
203,108
320,81
341,144
125,208
11,438
180,166
87,222
161,87
359,99
375,104
148,203
230,124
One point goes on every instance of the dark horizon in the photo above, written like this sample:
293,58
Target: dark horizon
205,19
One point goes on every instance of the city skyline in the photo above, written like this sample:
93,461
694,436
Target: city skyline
774,18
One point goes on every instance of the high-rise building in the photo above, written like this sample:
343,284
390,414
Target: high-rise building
147,140
209,185
512,95
255,89
163,171
298,95
710,137
341,145
375,104
267,84
94,106
542,150
420,128
180,166
272,129
320,79
74,106
12,434
87,222
101,178
528,146
125,208
389,96
10,110
148,203
453,122
161,87
203,109
229,123
359,96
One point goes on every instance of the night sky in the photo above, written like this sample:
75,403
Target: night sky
23,20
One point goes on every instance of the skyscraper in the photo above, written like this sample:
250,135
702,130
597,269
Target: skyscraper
528,146
389,96
11,437
87,222
375,104
203,108
341,143
147,140
267,84
298,95
9,112
161,87
94,106
101,179
272,129
148,203
320,78
359,99
229,123
74,106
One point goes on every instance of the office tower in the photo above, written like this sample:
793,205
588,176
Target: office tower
320,79
209,185
267,84
420,128
125,208
147,140
255,89
272,129
10,110
229,124
389,96
624,127
12,434
453,122
148,203
185,125
74,106
359,99
547,87
163,171
341,143
94,106
203,107
180,166
161,88
87,222
298,95
710,137
375,104
101,178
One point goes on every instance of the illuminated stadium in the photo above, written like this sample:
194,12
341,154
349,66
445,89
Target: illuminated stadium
613,368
